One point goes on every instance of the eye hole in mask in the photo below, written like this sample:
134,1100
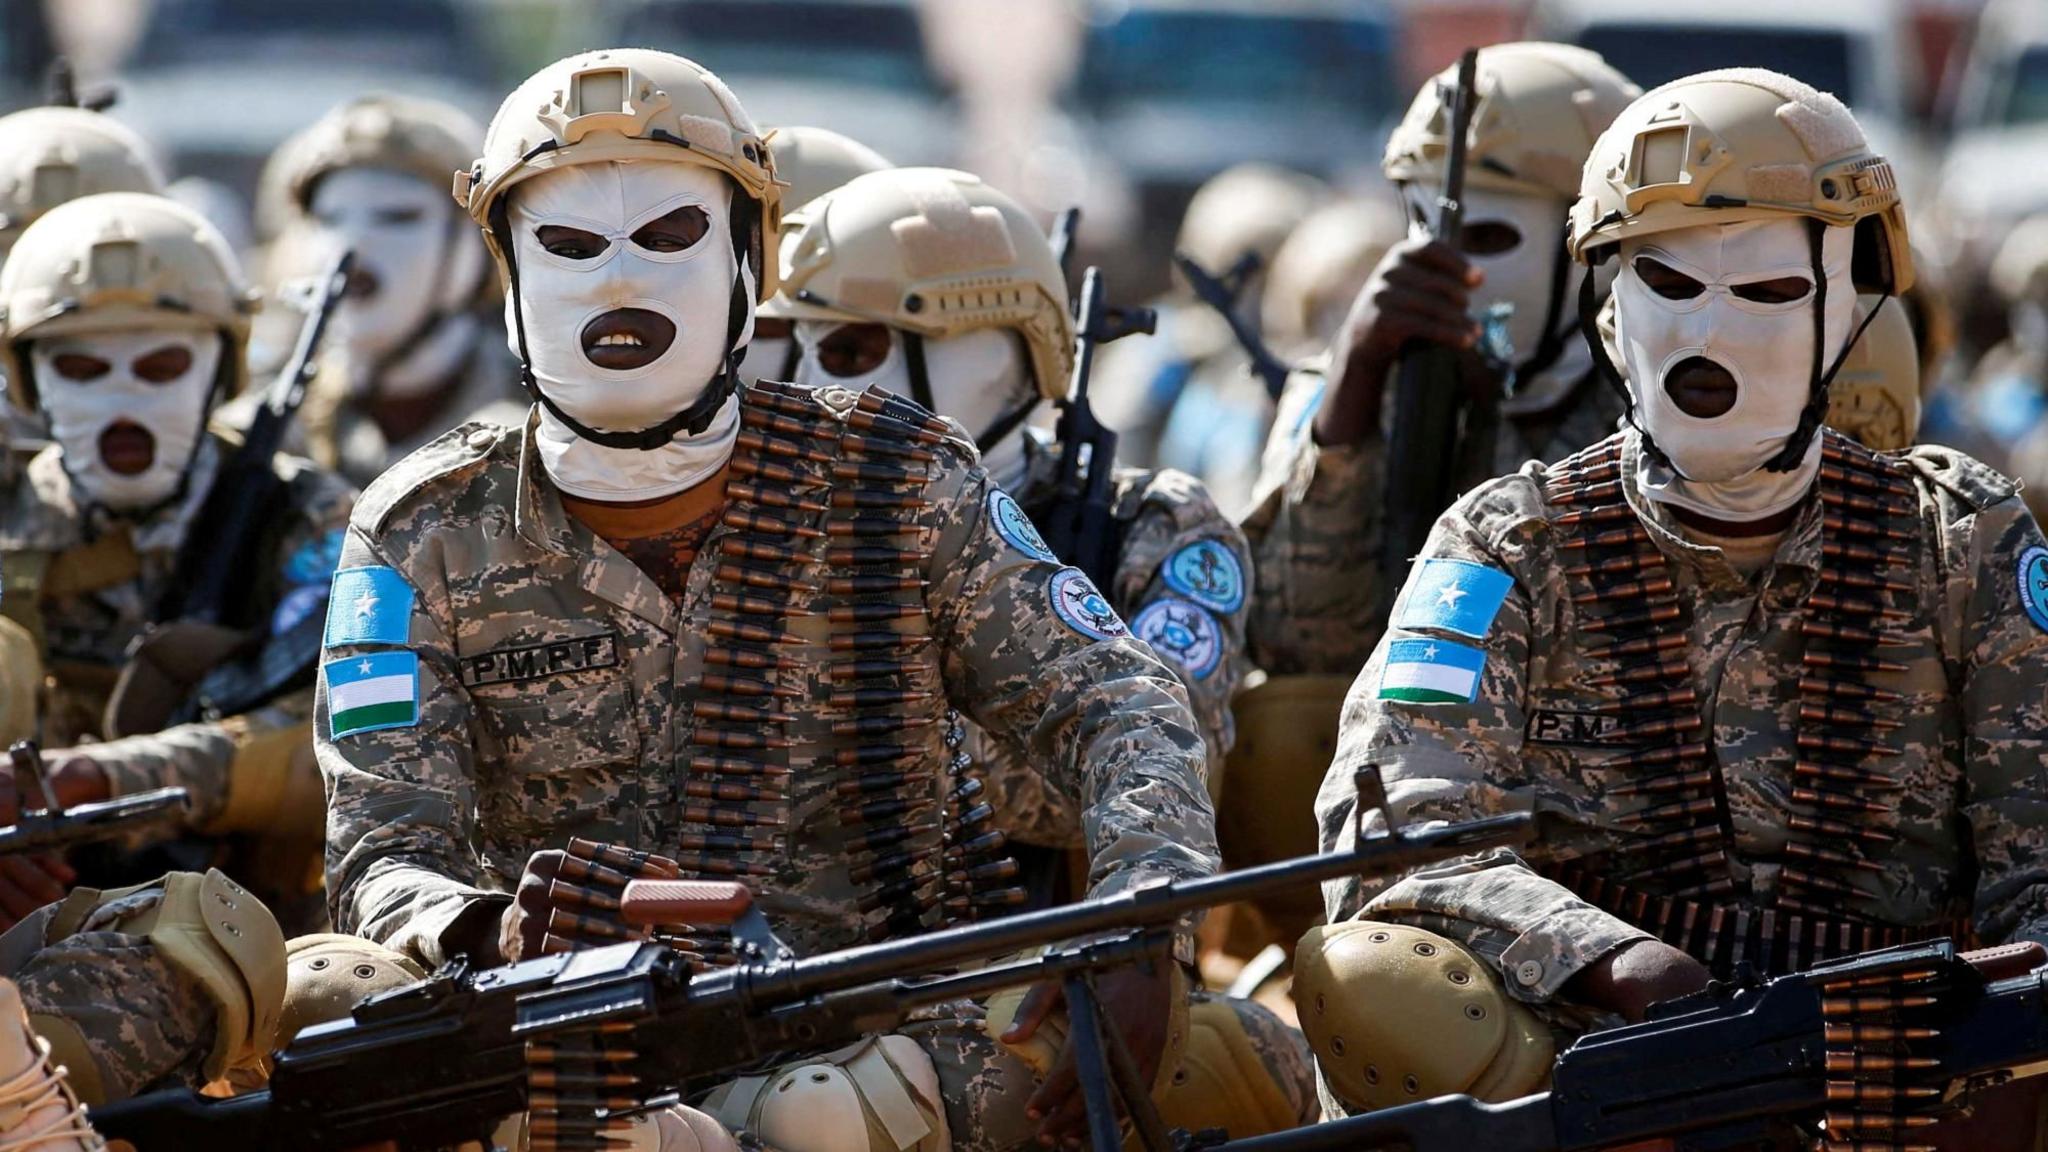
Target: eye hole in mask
678,231
80,368
853,349
403,214
1667,281
772,328
163,365
1783,290
1490,238
570,243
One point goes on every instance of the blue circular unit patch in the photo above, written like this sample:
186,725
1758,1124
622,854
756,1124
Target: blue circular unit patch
1182,632
1014,526
2033,578
1208,573
1082,608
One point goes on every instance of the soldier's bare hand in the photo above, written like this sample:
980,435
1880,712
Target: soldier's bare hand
525,924
1636,975
1135,1002
29,882
76,779
1421,291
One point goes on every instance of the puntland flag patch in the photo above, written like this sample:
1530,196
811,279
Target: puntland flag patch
373,691
1424,671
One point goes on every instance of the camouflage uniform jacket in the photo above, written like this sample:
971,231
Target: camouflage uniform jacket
1181,581
559,693
84,586
1315,523
1732,743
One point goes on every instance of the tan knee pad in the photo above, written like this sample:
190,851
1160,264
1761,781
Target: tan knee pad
880,1095
677,1129
328,974
1395,1014
21,682
1223,1081
213,931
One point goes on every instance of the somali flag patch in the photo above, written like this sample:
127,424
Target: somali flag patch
369,606
1454,596
372,692
1424,671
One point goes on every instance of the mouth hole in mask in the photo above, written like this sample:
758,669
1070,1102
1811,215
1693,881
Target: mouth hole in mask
1490,238
163,365
1701,388
627,338
363,283
853,350
1665,280
78,367
127,448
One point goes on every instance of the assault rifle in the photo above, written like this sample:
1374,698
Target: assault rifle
1222,294
54,827
1436,425
445,1060
1078,523
204,616
1066,232
1875,1046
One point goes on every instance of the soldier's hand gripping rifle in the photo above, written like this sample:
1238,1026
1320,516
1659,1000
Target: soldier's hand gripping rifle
205,615
443,1061
1078,524
1438,428
53,827
1222,293
1876,1047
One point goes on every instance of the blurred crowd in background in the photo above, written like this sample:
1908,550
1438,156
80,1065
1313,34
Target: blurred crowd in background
1219,128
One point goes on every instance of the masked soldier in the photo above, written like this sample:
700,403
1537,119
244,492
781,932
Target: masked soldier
412,352
54,154
125,319
1777,697
725,624
858,266
1314,527
810,162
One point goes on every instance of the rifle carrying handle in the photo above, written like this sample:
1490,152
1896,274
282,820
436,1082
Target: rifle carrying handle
2006,960
695,902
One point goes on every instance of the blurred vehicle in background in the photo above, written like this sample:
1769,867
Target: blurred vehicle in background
217,84
1996,171
857,67
1856,49
1175,91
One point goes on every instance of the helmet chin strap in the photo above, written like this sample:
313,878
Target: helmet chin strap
692,420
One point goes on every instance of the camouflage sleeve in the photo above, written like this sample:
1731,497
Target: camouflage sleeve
1997,588
1314,531
1450,749
1037,657
1182,586
224,765
401,792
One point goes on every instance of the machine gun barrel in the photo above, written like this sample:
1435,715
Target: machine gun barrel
54,826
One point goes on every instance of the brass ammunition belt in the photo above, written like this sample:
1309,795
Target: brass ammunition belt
1772,940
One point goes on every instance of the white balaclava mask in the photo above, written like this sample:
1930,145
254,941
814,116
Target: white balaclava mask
1741,298
626,320
127,409
405,326
979,379
771,354
1517,241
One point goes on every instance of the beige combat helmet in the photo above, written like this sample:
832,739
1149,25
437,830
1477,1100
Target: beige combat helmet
1875,397
1737,145
1245,208
1540,108
49,156
1322,265
626,104
813,161
934,252
120,261
426,139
